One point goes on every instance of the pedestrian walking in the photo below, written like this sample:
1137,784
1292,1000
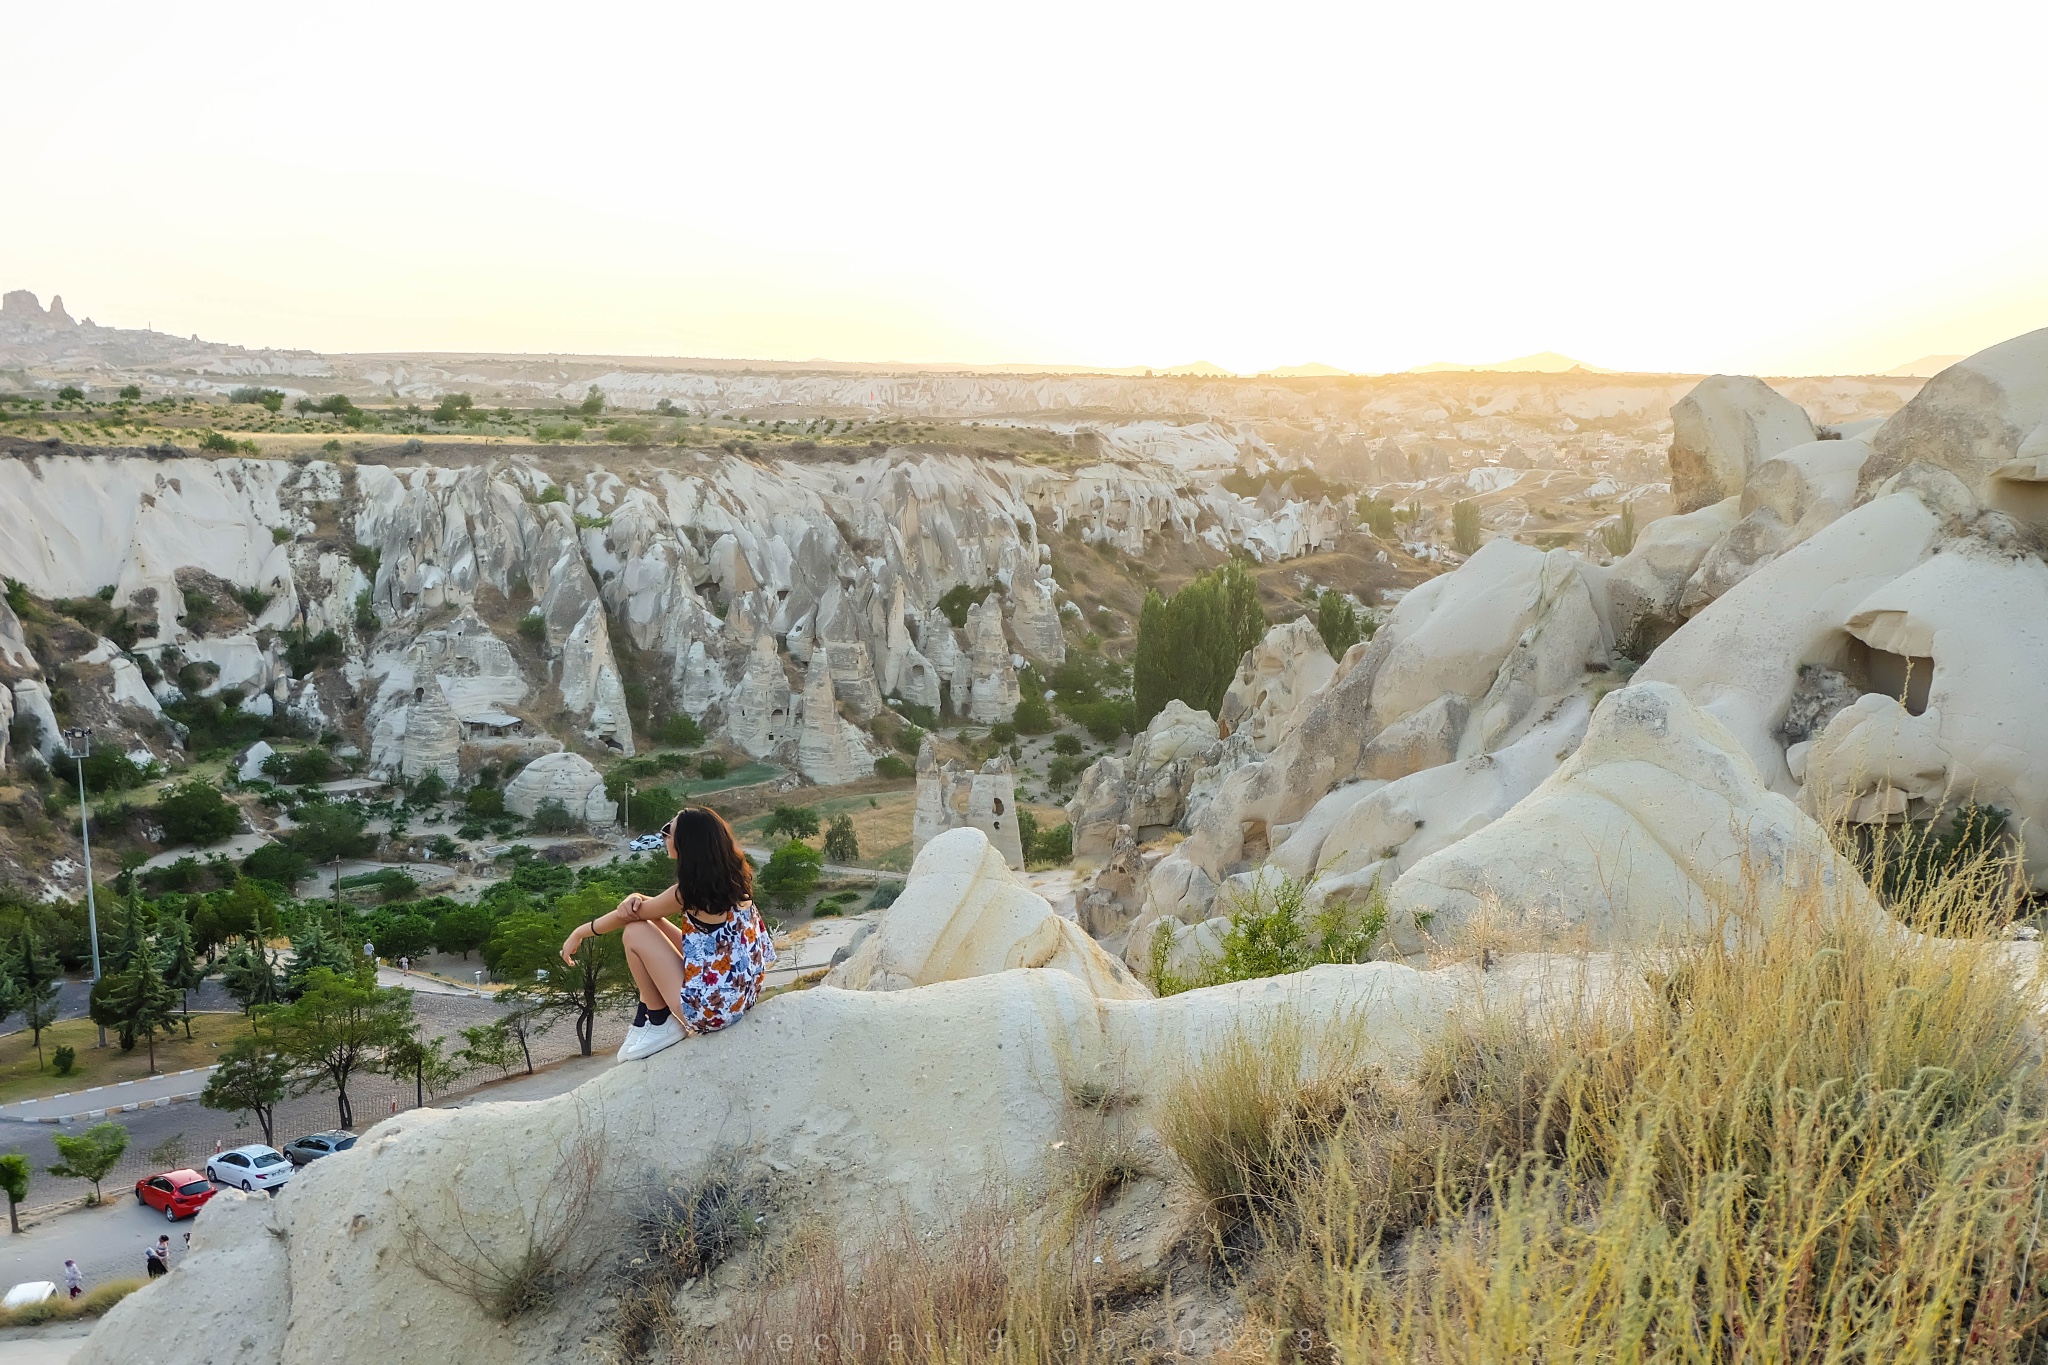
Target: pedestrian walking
74,1279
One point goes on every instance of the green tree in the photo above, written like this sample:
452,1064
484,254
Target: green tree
422,1060
1377,515
1464,528
463,929
794,822
194,813
182,969
842,845
337,1029
1620,534
593,402
531,960
14,1173
316,948
251,1078
89,1155
404,936
35,978
138,1002
1337,622
250,975
488,1047
790,876
1189,644
680,730
131,392
328,830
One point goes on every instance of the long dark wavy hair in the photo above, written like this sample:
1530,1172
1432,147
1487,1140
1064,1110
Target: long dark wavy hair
712,875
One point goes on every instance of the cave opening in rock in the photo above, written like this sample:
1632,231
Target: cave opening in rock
1906,678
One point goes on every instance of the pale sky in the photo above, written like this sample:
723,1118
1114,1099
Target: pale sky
1775,188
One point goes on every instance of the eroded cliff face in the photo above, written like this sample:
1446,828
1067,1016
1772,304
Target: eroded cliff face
774,601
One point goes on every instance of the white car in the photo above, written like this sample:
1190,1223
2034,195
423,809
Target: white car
251,1168
647,843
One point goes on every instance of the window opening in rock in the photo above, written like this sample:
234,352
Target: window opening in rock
1905,678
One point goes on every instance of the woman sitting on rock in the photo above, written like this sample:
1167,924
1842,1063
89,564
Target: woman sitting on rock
700,977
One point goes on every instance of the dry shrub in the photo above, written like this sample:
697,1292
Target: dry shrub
59,1308
975,1293
507,1266
1823,1142
1246,1119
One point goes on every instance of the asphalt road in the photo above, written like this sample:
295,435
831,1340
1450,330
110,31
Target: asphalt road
107,1242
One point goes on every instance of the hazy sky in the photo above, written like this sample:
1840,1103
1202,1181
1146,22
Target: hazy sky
1773,188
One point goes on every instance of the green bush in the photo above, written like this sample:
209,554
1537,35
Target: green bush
794,822
485,803
303,654
1378,516
1620,534
549,433
195,813
1273,932
711,767
791,875
552,817
1033,716
841,844
279,864
894,768
955,601
681,731
1337,622
64,1058
1069,745
304,768
533,626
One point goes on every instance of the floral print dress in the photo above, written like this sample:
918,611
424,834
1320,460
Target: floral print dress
722,970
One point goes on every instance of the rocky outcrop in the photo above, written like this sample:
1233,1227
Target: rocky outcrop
758,713
992,692
32,702
1035,617
1971,419
950,796
1276,681
564,777
1146,789
1657,828
961,915
830,749
1724,428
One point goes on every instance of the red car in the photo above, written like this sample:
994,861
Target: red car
178,1193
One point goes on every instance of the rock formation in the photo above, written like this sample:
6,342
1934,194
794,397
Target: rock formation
829,748
1148,788
1723,429
758,714
991,676
949,796
564,777
1276,681
961,915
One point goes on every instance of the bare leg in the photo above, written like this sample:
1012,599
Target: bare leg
656,962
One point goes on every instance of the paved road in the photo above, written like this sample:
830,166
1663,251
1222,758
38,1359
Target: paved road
53,1344
107,1242
101,1101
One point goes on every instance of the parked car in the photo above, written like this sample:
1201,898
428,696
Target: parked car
178,1193
647,843
251,1168
313,1146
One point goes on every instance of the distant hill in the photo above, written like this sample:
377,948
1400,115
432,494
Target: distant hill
1313,370
1202,368
1543,362
1926,367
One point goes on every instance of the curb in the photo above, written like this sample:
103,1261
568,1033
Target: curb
108,1108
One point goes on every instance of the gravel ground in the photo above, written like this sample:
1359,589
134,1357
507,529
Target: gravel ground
194,1130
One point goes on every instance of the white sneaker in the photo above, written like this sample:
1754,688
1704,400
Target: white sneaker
644,1040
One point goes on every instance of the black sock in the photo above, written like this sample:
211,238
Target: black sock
658,1017
639,1014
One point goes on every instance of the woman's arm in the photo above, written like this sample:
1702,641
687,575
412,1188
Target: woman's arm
633,907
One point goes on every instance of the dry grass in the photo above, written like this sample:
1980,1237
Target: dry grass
91,1304
1823,1143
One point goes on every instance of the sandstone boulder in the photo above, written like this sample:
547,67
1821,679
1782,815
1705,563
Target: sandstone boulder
962,914
565,777
1276,682
1724,428
1657,827
1645,585
1970,419
32,701
1146,789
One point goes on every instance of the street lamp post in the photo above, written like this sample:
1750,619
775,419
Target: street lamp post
78,745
